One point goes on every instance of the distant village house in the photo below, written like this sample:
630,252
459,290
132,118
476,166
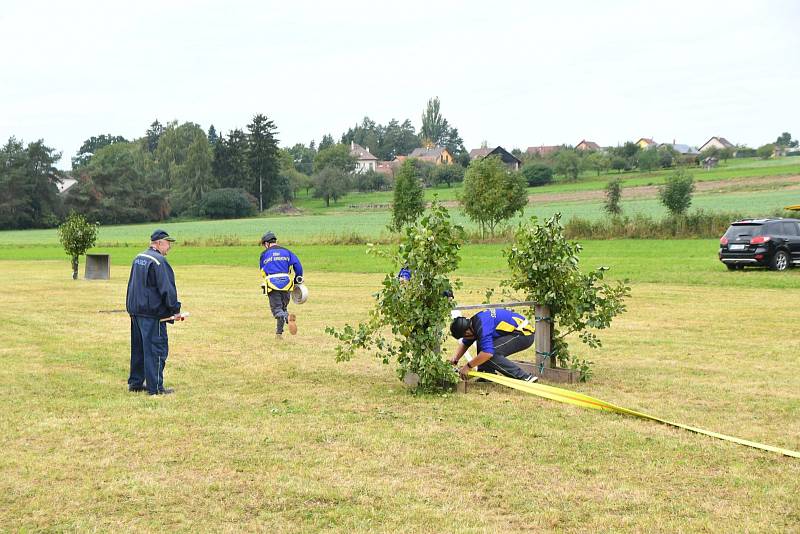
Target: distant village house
587,145
716,142
511,161
436,155
364,160
645,143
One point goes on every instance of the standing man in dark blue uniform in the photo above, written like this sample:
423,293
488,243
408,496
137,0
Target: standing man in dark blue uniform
152,296
499,333
281,270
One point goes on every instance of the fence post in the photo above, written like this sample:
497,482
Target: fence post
543,337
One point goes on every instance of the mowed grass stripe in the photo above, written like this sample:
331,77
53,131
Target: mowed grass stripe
281,438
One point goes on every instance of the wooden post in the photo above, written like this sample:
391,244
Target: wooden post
543,338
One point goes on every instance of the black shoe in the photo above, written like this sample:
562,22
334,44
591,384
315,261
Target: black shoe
165,391
136,389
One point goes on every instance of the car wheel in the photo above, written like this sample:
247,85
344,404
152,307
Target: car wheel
780,261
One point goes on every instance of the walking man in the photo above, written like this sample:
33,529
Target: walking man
499,333
152,296
281,270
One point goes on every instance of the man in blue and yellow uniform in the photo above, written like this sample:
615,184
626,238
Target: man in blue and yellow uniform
281,270
499,333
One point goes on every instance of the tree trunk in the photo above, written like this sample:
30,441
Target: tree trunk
74,267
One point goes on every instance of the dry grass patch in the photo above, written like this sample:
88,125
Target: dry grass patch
278,437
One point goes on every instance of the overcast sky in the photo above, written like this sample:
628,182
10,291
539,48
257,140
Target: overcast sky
515,74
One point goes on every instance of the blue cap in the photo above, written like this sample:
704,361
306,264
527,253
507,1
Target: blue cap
161,234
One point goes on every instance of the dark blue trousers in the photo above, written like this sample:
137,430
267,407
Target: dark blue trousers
149,350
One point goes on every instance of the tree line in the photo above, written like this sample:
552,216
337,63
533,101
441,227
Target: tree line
180,170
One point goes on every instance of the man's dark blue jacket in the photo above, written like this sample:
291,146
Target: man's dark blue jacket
151,287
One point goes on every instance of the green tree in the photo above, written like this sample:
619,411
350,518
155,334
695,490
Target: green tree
121,184
28,192
447,174
537,173
666,156
613,197
194,177
492,194
327,141
303,157
544,266
92,145
415,312
436,131
337,156
785,140
153,135
262,157
568,164
726,153
230,165
618,163
398,138
77,236
676,193
228,203
649,159
765,151
409,200
597,162
331,183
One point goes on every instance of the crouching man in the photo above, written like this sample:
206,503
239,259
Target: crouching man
499,333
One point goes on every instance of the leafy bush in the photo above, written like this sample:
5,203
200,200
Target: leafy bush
676,193
543,265
77,236
697,224
415,312
228,203
370,181
447,174
536,173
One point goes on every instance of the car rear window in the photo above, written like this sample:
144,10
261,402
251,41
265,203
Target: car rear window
744,231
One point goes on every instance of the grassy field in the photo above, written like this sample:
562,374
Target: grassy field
278,437
371,224
588,181
689,262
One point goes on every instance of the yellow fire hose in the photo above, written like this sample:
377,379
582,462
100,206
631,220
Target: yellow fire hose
585,401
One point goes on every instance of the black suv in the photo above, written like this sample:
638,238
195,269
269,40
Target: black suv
773,243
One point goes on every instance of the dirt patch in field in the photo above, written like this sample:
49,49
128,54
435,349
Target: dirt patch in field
651,191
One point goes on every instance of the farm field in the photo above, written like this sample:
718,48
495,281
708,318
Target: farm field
279,437
337,225
588,181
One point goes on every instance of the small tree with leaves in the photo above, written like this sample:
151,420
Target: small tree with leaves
543,266
492,193
676,193
77,236
613,197
415,312
409,200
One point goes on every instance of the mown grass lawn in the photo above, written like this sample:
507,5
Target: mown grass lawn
280,438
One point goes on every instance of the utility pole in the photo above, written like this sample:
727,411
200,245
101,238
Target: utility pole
260,194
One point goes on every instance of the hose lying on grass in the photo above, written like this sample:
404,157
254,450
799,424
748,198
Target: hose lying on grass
585,401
